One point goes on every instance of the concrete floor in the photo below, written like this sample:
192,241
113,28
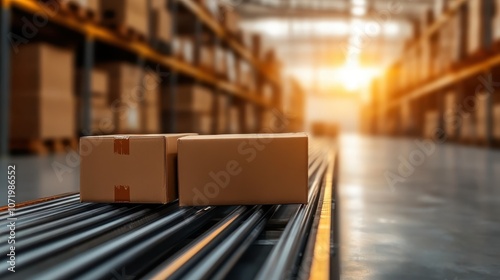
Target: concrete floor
441,221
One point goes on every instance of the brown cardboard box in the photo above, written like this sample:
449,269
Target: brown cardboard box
161,27
450,114
496,122
129,168
159,4
207,57
220,63
431,124
42,117
99,82
229,18
243,169
126,89
193,98
474,26
41,69
481,116
234,120
126,13
222,113
151,118
188,122
102,121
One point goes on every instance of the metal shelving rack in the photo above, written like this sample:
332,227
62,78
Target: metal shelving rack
387,109
94,33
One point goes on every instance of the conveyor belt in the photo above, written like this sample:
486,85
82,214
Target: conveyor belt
65,239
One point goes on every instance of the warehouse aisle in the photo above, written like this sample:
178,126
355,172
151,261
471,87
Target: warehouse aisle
441,222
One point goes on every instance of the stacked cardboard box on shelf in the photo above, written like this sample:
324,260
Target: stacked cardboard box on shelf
496,122
468,130
207,57
232,68
129,14
90,5
183,48
150,108
222,113
229,18
449,117
160,27
220,63
193,107
126,95
42,102
234,119
481,117
102,121
474,26
431,124
496,22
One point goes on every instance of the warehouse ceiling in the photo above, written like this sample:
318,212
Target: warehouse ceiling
332,43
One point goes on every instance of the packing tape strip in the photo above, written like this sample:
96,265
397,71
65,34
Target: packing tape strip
122,193
121,146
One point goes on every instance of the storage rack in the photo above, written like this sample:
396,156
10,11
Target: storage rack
389,94
93,33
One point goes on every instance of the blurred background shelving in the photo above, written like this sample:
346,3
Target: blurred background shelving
444,85
132,67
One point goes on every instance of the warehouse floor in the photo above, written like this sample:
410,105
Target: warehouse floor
441,222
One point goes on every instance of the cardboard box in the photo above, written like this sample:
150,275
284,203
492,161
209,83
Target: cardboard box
161,25
431,124
496,122
91,5
129,168
230,19
234,120
159,4
126,13
42,117
98,82
126,89
102,121
207,57
151,118
243,169
220,63
193,122
41,69
193,98
222,113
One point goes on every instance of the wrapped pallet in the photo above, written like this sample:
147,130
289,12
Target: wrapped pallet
43,101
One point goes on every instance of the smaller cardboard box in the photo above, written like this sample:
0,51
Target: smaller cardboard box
243,169
129,168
